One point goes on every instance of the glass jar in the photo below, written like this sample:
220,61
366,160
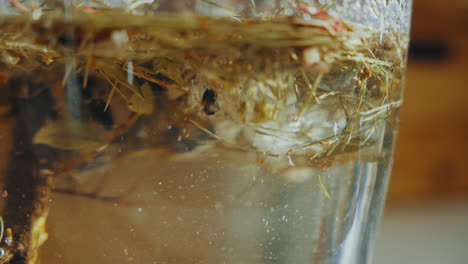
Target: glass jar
196,131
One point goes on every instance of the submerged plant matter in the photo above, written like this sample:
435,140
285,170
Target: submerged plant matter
300,90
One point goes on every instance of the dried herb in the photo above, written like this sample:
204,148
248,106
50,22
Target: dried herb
70,134
142,104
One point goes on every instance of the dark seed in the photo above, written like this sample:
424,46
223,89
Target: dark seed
209,102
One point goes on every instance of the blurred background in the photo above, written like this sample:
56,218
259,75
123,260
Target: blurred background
426,218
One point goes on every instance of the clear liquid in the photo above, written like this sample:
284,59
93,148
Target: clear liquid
228,177
199,211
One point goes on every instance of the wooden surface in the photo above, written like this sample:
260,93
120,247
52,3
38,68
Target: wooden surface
431,159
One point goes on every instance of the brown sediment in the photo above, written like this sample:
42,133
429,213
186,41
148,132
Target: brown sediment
27,203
